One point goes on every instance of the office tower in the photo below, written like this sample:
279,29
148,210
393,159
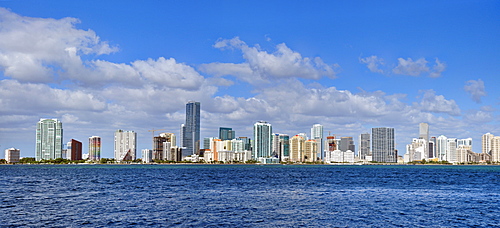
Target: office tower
125,145
297,148
262,132
383,145
364,146
486,143
207,141
424,134
416,150
317,135
347,143
147,155
95,148
495,149
441,147
12,155
237,145
284,147
74,150
49,139
191,129
226,133
181,135
247,143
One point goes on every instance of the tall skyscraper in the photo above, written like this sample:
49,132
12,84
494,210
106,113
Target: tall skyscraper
495,149
95,148
364,146
317,135
441,147
226,133
125,145
383,145
191,132
49,139
262,133
297,148
424,134
74,150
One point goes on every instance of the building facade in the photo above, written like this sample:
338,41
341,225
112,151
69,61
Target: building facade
317,135
125,145
226,133
12,155
364,146
191,129
383,149
74,150
49,139
262,133
94,148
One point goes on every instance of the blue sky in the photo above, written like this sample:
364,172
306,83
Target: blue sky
348,65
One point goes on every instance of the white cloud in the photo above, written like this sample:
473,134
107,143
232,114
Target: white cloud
373,63
437,104
261,65
410,67
437,69
33,49
475,89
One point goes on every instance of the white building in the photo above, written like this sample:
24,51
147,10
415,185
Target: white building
147,155
12,155
125,145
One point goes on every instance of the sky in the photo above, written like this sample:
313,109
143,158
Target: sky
100,66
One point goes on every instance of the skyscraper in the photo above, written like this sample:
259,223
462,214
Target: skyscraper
226,133
442,147
383,145
364,146
317,135
191,129
297,148
262,133
424,134
49,139
95,148
125,145
347,143
486,143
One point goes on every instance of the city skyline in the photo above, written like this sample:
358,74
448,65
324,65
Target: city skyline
293,65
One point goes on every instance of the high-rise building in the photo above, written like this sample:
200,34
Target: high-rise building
95,148
247,143
441,147
451,150
284,147
147,155
297,148
347,143
310,150
226,133
432,147
495,149
74,150
12,155
383,145
424,134
158,144
49,139
317,135
262,133
125,145
191,132
486,143
364,146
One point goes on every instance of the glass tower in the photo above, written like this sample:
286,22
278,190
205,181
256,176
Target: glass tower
95,148
49,139
191,129
262,132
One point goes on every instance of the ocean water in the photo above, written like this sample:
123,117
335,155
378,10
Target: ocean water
249,196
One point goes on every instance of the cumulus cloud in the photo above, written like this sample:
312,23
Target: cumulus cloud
437,69
33,49
410,67
418,67
431,102
373,63
476,90
261,65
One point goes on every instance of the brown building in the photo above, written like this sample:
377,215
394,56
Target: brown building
74,150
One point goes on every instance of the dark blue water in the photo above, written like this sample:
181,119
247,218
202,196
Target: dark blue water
249,196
